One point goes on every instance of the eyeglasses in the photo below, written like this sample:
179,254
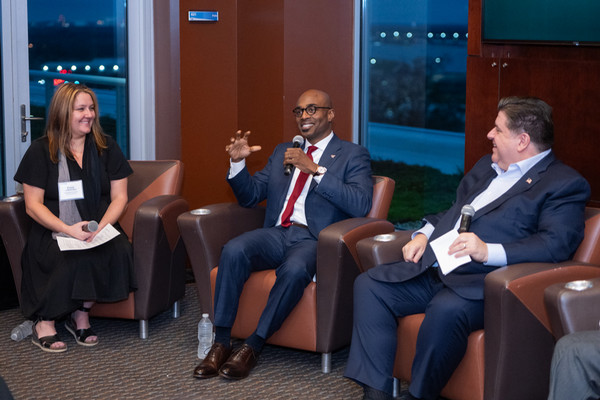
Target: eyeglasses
310,110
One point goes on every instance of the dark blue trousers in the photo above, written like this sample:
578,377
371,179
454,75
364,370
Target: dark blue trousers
292,252
442,339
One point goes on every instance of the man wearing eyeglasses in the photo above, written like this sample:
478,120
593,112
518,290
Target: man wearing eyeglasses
331,181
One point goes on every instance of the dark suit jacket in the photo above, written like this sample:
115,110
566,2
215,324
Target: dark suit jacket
541,219
346,189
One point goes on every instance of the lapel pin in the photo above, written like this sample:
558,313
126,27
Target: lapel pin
333,156
529,180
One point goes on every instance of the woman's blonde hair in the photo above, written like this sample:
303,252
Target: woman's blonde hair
58,127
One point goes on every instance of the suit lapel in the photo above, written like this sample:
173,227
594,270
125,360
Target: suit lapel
524,184
329,156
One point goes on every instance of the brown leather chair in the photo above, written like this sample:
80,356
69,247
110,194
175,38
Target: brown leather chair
150,222
510,359
322,320
573,306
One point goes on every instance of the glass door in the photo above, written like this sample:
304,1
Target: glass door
15,91
45,43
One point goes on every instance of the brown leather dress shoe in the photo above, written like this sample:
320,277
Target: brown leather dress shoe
209,367
240,363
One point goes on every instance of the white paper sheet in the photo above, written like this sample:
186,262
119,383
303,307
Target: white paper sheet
440,246
68,243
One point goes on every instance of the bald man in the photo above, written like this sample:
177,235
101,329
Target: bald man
330,181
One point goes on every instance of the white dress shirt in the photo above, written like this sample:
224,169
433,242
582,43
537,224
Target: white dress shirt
497,187
299,214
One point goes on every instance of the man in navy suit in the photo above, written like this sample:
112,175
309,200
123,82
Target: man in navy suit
528,207
331,181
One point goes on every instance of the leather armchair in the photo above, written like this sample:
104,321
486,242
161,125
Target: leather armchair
573,306
150,222
510,359
322,320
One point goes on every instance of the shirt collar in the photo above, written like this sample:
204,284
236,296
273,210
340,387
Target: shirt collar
322,144
522,166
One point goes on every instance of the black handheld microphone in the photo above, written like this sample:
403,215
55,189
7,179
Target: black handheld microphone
298,141
466,212
91,226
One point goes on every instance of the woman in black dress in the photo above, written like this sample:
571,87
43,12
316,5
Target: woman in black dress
72,175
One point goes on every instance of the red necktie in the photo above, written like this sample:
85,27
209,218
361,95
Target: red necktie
300,182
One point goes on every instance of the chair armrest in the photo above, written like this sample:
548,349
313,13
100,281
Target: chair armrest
374,251
206,230
573,310
14,230
518,338
158,253
337,267
526,282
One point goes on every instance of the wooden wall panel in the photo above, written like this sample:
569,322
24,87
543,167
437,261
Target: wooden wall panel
208,99
260,76
481,105
565,77
168,96
319,54
246,72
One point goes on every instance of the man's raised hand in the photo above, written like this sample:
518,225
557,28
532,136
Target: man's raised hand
239,149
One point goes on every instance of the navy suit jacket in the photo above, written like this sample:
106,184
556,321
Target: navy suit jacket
539,219
346,189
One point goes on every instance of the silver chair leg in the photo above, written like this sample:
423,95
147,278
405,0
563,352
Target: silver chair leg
326,363
143,329
176,309
396,388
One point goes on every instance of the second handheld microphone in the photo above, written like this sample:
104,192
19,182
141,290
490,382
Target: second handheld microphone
91,226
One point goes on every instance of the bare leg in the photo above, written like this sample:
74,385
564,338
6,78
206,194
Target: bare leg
82,320
46,328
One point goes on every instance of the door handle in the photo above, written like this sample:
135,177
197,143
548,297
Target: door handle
24,119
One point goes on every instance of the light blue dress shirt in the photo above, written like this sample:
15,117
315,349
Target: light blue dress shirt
499,185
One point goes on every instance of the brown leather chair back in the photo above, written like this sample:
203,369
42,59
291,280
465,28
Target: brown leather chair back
589,251
383,191
150,179
14,229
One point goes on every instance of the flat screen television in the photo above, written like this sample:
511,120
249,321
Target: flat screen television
567,22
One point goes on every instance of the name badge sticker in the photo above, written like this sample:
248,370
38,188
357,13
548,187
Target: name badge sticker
72,190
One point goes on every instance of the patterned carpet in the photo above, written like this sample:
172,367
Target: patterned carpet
123,366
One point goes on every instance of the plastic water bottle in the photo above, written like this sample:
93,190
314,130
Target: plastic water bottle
21,331
205,336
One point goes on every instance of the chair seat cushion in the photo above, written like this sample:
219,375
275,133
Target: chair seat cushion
299,329
467,381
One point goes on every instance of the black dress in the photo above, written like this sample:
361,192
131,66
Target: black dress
54,282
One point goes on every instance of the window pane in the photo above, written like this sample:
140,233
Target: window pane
414,82
84,42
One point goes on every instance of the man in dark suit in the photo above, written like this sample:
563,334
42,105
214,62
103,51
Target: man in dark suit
528,207
331,181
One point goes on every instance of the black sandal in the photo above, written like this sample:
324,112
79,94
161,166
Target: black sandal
45,342
80,335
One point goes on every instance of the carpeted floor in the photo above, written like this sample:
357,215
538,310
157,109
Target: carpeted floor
123,366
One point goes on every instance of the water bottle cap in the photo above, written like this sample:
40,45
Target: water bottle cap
205,315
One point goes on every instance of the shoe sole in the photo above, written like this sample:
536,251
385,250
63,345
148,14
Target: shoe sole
232,378
46,349
72,332
205,376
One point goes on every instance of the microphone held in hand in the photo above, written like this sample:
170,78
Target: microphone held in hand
466,212
298,141
91,226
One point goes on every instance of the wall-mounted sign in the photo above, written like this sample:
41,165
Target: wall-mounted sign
203,16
